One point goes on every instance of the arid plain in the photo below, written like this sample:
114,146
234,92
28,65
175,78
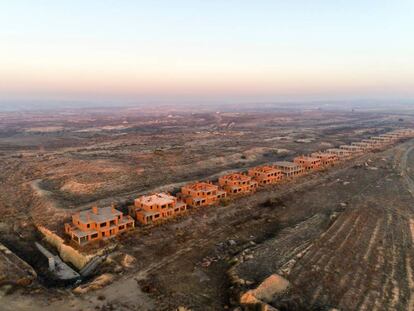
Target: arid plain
342,237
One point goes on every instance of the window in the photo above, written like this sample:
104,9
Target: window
88,226
94,236
102,224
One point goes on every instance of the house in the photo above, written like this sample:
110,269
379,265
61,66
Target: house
352,149
201,194
266,174
393,136
404,133
152,208
390,137
289,169
374,144
327,159
342,154
237,183
96,224
363,145
381,140
308,163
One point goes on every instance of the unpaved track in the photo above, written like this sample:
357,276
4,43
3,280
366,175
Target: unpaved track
403,167
410,186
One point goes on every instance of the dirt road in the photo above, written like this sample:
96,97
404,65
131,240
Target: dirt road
403,167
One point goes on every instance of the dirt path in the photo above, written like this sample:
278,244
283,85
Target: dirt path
403,168
410,186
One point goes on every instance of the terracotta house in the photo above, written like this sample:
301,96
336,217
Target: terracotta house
289,169
352,149
373,143
238,183
392,136
363,145
308,163
342,154
402,133
201,194
149,209
382,141
266,174
327,159
96,224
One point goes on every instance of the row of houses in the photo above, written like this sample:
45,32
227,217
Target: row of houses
102,223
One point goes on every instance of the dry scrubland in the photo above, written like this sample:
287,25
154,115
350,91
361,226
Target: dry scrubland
342,237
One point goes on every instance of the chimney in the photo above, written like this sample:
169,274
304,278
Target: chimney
95,209
113,208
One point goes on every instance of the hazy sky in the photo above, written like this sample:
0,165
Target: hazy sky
208,49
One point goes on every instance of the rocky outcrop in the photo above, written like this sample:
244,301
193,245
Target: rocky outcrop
265,293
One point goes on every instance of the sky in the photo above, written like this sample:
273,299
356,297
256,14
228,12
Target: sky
218,50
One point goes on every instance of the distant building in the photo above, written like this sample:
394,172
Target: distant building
382,139
374,144
363,145
403,133
201,194
149,209
266,174
308,163
238,183
353,149
289,169
392,135
97,223
342,154
327,159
